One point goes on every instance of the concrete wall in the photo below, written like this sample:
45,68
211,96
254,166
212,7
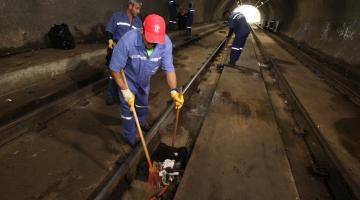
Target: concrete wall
24,23
329,28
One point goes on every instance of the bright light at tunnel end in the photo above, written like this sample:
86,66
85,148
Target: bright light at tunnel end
251,13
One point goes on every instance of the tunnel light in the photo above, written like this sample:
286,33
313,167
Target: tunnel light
252,14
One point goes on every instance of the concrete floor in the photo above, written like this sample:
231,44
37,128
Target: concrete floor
239,153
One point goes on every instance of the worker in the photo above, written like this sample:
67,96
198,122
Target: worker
140,53
182,15
239,26
190,19
119,24
173,14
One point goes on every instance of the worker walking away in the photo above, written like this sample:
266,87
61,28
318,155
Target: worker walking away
140,53
239,26
173,14
119,24
190,19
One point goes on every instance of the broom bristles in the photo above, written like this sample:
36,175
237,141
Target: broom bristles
153,180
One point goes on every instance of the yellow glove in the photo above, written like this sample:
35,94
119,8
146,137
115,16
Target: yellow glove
111,44
129,98
178,98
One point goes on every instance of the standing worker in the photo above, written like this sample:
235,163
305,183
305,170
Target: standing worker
139,54
182,19
239,26
189,20
173,14
119,24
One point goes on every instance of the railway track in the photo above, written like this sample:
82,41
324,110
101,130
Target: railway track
35,114
346,86
126,168
323,164
39,120
331,182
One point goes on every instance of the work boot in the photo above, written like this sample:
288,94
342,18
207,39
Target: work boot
146,128
110,101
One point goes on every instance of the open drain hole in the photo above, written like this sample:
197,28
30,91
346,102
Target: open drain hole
170,162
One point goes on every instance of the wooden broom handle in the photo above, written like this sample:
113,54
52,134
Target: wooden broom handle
176,122
138,126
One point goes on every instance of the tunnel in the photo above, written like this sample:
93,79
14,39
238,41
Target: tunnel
281,123
303,22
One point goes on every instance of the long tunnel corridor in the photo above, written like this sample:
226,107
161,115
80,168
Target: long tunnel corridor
265,110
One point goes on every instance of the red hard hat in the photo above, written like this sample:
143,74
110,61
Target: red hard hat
154,29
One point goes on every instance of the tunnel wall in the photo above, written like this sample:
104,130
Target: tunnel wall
328,28
25,23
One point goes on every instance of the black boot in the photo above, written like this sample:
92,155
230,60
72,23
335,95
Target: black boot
145,127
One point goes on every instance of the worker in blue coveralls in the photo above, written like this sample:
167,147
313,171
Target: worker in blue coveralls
140,53
190,19
119,24
239,26
173,14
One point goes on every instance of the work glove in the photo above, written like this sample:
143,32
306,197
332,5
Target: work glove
129,98
111,44
178,98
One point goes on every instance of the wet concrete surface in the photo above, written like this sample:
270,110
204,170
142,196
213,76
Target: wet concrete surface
76,150
239,153
335,116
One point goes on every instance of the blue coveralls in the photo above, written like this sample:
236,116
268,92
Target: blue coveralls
238,25
189,21
118,25
173,14
130,54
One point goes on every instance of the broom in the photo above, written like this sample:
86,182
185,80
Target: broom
176,123
153,178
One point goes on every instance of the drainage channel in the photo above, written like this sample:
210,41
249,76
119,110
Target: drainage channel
315,169
130,180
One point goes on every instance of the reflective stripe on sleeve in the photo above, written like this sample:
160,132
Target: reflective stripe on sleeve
123,24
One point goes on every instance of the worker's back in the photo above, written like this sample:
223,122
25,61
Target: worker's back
238,23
